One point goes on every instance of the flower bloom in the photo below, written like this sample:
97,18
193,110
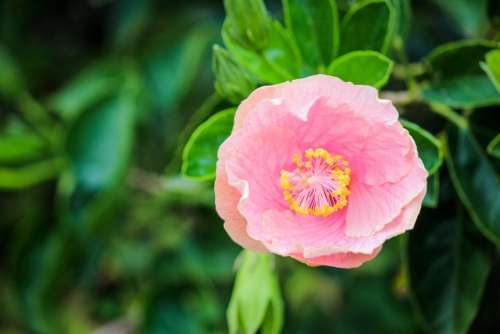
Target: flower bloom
319,170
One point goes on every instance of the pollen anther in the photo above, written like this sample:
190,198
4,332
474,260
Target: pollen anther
319,185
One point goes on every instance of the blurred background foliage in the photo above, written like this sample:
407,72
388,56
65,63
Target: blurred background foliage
100,232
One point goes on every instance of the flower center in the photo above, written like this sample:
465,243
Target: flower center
319,185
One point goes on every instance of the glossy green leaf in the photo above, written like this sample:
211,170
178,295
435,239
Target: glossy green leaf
30,175
362,67
457,79
449,263
494,147
20,147
200,153
469,16
492,67
86,89
475,180
429,148
11,78
315,28
256,299
431,198
232,80
369,25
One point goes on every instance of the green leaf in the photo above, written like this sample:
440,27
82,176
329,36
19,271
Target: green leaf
492,67
494,147
11,78
403,15
99,145
362,67
456,76
431,198
251,23
20,148
89,87
475,180
448,267
369,25
200,153
129,20
180,61
315,28
429,148
30,175
232,80
256,299
470,16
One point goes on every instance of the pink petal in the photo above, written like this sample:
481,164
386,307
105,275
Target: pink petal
300,94
370,208
339,260
226,202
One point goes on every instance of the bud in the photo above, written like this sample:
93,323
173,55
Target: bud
232,81
256,301
250,22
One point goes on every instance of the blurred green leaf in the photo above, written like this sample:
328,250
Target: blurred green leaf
21,147
429,148
170,68
232,80
315,27
251,23
431,198
11,77
256,300
494,147
403,14
475,180
29,175
369,25
448,267
200,153
362,67
470,16
99,145
492,67
456,77
129,21
89,87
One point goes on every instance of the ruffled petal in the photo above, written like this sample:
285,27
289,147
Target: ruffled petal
299,95
339,260
226,202
370,208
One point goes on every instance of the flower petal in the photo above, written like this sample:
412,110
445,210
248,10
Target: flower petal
226,202
339,260
370,208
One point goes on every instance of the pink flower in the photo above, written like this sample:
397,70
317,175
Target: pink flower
320,170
